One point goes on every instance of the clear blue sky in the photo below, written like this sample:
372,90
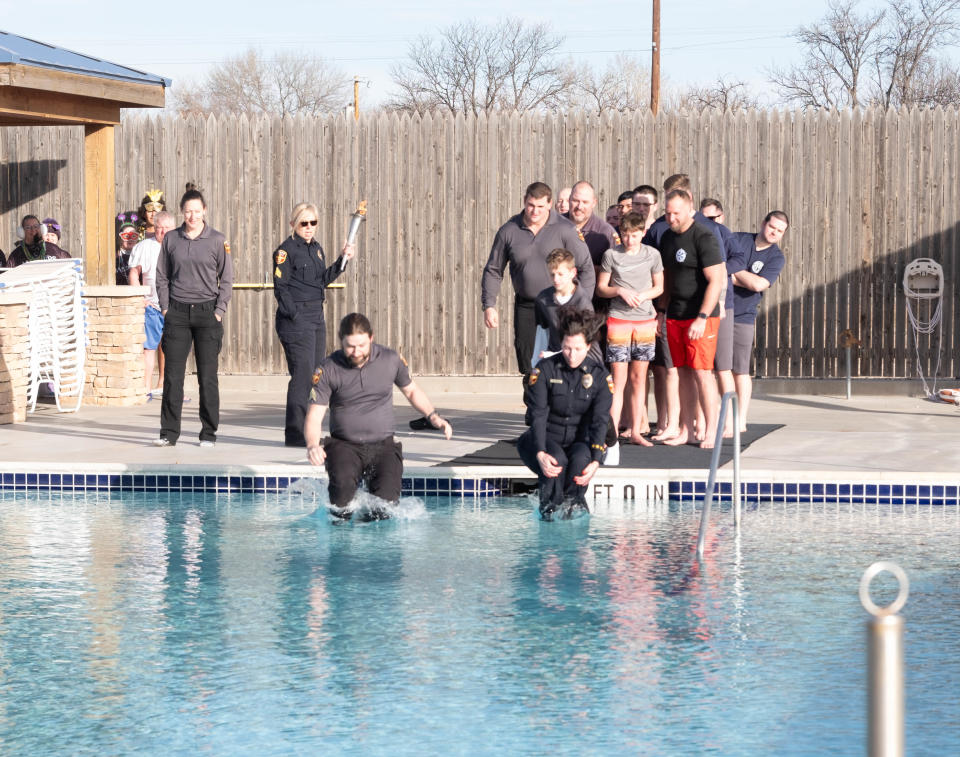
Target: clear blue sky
701,39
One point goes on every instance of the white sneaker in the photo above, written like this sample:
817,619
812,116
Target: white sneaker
161,442
612,455
208,443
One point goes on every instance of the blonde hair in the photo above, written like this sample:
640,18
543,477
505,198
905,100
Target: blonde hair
299,210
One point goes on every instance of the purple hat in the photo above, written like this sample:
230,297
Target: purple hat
52,225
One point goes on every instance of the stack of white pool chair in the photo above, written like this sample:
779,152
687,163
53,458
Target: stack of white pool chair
56,319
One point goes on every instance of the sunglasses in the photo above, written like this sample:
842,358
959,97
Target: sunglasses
308,223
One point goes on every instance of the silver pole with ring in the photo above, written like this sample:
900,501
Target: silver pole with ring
885,664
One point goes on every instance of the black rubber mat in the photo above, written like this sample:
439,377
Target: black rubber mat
659,456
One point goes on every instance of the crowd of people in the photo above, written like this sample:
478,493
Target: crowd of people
598,303
677,291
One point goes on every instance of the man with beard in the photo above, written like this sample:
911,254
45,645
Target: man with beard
356,382
32,246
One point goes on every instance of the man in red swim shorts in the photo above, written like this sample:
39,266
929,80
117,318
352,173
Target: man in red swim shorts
694,275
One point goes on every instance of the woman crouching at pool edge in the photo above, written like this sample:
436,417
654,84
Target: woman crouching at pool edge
570,397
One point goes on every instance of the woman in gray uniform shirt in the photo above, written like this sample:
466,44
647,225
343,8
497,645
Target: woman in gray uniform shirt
194,284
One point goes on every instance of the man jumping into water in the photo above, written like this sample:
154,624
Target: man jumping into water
356,382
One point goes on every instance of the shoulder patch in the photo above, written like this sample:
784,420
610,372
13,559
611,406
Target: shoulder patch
320,254
580,234
316,376
277,272
616,239
281,257
610,383
226,246
534,375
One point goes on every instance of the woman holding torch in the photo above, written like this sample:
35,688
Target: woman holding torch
300,277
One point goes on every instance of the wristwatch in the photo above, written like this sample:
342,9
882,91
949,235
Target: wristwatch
702,315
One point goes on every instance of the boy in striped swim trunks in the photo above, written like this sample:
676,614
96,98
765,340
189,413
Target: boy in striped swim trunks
631,275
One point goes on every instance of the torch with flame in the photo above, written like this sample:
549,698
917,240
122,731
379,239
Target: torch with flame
358,217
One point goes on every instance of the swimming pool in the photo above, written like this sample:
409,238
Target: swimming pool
169,623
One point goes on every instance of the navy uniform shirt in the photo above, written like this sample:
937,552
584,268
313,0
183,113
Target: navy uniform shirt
360,399
570,404
526,253
195,270
300,274
766,263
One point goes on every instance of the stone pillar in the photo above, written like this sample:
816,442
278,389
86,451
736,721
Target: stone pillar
14,356
114,362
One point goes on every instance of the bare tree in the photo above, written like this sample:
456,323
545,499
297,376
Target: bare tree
885,56
471,68
907,70
286,84
838,51
722,95
624,85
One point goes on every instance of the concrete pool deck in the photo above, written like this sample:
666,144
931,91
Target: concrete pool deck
888,433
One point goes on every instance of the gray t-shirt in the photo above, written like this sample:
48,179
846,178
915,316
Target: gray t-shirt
633,272
360,399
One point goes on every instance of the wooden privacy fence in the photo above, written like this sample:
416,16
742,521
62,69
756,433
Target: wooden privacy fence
866,193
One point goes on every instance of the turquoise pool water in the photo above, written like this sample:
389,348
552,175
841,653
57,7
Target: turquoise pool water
242,624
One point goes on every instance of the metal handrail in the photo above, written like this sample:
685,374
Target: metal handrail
715,463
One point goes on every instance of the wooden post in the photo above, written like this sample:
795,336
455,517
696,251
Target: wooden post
655,61
99,188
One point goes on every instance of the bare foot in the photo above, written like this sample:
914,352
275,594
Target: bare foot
637,438
678,440
743,428
665,433
706,444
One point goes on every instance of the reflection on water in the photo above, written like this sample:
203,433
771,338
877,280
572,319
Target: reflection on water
166,622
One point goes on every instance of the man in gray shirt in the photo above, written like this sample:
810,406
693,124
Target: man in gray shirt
356,382
523,243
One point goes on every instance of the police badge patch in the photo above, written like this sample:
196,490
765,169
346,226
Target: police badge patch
226,247
587,380
681,255
610,383
281,257
757,266
533,377
316,376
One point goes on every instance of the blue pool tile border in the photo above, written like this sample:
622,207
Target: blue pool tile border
228,484
682,490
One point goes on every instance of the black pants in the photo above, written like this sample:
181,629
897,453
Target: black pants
378,464
185,326
304,341
524,332
573,459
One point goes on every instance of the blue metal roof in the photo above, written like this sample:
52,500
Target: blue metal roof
29,52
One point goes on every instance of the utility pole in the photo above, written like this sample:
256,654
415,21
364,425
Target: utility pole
356,98
655,62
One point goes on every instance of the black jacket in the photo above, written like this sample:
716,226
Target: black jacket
300,274
570,404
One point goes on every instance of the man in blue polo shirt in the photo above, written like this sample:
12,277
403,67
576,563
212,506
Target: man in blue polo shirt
762,263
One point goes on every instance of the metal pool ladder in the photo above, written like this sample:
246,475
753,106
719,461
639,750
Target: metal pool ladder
715,463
